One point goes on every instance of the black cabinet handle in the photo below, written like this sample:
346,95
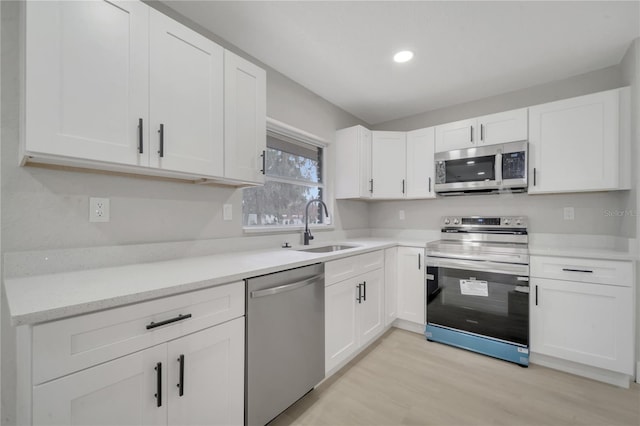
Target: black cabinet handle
429,184
364,293
482,132
471,133
359,298
158,394
181,382
371,186
419,260
169,321
403,186
161,150
536,295
264,162
577,270
140,136
534,176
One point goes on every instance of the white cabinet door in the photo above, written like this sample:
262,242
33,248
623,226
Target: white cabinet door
120,392
186,103
353,163
390,285
420,163
245,112
585,323
457,135
574,144
411,282
502,127
371,308
213,376
388,164
341,339
86,75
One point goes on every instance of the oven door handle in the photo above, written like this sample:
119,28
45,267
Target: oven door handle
480,265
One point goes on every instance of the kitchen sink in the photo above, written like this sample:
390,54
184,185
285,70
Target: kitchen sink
328,249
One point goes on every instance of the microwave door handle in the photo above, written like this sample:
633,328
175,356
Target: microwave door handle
498,168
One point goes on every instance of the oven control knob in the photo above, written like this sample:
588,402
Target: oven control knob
506,222
456,221
518,222
447,221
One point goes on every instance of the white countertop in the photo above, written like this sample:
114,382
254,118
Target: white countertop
588,253
40,298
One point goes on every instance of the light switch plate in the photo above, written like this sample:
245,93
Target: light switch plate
227,211
98,209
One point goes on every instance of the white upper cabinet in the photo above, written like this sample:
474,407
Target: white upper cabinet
456,135
116,85
503,127
186,83
508,126
420,163
87,66
245,111
388,164
580,144
353,163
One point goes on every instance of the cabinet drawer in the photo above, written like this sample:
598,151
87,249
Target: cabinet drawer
342,269
64,346
611,272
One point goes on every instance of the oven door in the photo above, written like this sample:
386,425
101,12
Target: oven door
480,297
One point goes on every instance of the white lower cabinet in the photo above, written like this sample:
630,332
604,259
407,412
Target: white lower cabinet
354,314
390,285
191,371
132,391
577,319
119,392
411,282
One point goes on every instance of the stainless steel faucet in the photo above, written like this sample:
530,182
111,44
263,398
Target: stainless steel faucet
307,233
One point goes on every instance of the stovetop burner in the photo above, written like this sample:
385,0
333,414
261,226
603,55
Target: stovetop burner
496,239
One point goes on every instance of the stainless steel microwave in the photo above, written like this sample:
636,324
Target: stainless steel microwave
490,168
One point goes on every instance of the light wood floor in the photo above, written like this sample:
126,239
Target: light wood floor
405,380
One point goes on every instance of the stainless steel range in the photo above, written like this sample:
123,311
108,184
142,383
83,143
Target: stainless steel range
478,286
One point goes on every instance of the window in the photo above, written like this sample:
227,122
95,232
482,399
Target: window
293,176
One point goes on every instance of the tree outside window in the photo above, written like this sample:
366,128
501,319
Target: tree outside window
293,176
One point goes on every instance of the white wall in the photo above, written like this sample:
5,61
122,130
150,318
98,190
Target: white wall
545,211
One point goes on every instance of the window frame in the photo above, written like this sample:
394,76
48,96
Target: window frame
288,133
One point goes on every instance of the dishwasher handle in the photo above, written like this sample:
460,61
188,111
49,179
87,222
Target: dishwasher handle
285,287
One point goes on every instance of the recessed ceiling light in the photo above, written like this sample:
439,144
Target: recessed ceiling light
403,56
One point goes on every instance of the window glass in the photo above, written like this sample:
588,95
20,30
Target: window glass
293,176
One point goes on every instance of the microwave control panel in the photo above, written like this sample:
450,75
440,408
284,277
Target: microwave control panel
514,165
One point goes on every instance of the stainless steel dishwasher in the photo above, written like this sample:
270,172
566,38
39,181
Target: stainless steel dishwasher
285,340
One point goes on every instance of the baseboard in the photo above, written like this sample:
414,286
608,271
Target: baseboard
408,325
599,374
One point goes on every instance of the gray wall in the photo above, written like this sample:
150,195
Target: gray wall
545,211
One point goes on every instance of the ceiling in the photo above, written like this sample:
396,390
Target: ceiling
342,50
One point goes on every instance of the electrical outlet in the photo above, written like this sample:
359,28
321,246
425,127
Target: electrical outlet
227,212
569,213
98,209
401,214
